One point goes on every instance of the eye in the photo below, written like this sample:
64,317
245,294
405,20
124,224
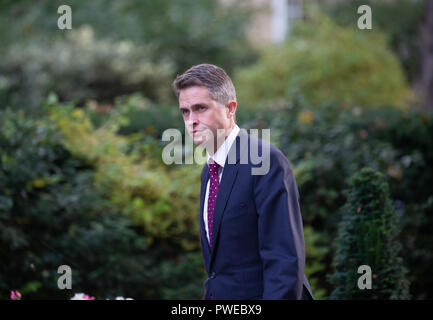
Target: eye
184,111
202,107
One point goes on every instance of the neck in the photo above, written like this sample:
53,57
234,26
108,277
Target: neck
218,141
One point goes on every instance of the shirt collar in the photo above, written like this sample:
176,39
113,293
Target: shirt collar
220,155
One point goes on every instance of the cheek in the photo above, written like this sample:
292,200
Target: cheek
213,120
218,116
207,119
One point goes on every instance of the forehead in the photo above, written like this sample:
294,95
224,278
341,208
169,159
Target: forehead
192,95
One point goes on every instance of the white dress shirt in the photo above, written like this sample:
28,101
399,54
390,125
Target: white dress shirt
219,157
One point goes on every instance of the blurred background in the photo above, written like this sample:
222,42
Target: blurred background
82,111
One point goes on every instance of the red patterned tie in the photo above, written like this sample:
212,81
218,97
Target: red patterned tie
213,191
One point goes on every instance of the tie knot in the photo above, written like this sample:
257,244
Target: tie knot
213,169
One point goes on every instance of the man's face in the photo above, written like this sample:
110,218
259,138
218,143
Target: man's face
203,116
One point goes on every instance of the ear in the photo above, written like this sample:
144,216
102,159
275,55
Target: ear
231,108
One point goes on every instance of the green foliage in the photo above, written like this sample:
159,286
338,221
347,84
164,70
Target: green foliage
137,184
402,36
316,251
88,187
180,277
146,117
368,235
418,245
324,63
80,68
327,144
96,207
192,32
50,214
120,176
184,32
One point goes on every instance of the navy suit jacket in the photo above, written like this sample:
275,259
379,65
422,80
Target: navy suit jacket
258,247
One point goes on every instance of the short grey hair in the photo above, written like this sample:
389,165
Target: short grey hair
214,78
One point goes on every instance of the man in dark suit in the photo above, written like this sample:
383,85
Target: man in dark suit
250,224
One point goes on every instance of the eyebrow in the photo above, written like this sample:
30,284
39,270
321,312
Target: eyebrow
195,106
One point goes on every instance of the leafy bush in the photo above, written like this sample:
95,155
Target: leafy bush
368,235
51,214
328,144
79,68
145,117
182,31
114,185
324,63
190,32
92,204
316,250
402,36
137,184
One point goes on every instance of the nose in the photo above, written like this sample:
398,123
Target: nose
192,120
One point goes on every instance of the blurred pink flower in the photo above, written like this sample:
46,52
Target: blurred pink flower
15,295
82,296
